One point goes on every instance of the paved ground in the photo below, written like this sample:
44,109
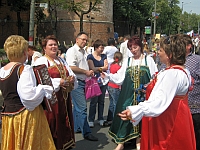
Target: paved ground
104,142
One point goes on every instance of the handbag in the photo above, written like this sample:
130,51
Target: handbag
42,76
92,88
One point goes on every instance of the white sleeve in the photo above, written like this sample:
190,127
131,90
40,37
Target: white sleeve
71,73
70,57
118,77
161,97
30,94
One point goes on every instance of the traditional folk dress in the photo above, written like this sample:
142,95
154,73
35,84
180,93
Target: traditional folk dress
167,122
60,119
24,124
137,75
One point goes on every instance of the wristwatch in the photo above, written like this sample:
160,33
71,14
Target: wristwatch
100,69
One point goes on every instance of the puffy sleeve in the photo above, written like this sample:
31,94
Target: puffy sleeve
118,77
30,94
55,81
169,84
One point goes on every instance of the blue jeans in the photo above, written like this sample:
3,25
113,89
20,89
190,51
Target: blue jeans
113,96
80,109
93,104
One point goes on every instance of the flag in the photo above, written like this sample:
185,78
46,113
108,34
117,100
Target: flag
155,14
191,33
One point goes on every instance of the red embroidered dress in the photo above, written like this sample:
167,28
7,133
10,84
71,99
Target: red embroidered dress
173,129
61,119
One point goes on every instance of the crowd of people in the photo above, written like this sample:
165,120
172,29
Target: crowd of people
154,99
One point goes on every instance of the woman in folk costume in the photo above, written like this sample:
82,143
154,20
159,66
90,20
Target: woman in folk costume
135,72
63,80
167,122
24,125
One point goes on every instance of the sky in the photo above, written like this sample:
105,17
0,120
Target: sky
190,6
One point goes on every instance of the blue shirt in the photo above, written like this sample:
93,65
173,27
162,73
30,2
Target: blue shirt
97,63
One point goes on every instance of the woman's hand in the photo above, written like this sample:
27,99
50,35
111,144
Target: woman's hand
64,83
126,115
89,73
71,79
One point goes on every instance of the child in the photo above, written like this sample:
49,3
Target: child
113,89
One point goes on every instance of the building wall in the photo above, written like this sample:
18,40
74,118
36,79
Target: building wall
100,27
8,23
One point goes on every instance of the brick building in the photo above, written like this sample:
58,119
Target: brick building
98,24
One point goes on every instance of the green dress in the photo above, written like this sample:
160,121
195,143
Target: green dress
135,78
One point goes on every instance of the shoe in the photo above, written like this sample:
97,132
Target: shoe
107,123
91,124
101,123
77,132
90,137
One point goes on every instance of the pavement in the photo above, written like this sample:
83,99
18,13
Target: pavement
104,142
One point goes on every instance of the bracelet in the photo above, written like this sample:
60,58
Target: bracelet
100,69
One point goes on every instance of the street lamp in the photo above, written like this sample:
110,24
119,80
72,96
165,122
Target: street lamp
189,20
154,29
181,15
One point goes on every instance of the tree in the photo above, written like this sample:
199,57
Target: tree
168,20
134,13
83,7
18,6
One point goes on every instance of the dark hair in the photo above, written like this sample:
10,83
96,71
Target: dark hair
32,47
117,57
80,33
62,48
46,39
111,41
175,48
98,43
135,40
127,36
188,39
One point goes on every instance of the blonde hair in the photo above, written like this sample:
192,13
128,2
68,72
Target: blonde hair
15,46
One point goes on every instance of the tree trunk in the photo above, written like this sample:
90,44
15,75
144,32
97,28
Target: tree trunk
81,22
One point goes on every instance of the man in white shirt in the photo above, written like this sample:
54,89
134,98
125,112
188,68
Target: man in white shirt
76,57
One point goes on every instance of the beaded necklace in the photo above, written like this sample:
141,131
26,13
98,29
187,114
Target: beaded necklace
135,77
60,67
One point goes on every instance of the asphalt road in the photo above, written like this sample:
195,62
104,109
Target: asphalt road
104,143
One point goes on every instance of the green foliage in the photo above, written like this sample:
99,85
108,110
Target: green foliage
135,13
189,21
168,20
138,13
2,52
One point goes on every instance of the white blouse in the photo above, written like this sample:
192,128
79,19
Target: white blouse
30,94
119,77
169,83
56,81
